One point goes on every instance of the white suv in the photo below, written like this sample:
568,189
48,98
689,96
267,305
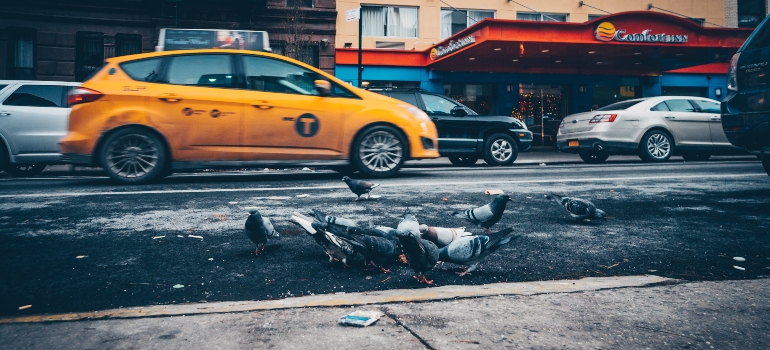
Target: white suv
33,118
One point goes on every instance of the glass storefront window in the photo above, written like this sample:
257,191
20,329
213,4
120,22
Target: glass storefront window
608,94
478,97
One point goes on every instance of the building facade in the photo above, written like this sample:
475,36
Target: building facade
67,40
543,60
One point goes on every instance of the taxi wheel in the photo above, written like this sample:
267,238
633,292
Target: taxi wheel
500,149
379,152
24,170
134,156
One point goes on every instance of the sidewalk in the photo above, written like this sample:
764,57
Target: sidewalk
597,313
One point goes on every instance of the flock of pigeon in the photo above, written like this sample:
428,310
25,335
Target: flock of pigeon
420,245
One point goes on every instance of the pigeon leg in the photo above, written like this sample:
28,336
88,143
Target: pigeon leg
487,230
384,270
422,279
463,272
368,195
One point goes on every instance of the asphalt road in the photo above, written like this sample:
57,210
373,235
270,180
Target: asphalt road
82,243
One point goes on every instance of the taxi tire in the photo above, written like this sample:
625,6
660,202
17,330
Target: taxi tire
149,145
373,137
496,144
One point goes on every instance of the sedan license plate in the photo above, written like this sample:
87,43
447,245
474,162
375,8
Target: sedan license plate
573,143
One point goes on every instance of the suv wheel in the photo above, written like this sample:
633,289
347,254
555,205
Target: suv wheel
24,170
133,156
379,151
500,149
656,146
593,157
766,163
690,157
463,160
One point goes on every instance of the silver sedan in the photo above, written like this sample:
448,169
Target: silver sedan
655,128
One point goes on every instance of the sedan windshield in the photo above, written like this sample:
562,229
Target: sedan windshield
618,106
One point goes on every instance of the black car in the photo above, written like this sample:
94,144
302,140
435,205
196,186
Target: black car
746,109
463,135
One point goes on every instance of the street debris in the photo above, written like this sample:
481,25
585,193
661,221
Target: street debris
374,196
194,236
211,259
306,169
180,236
739,268
302,195
158,237
218,217
738,258
232,203
80,256
177,286
445,199
278,198
361,318
494,192
25,307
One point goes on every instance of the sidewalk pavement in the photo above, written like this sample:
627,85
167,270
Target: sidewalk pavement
631,312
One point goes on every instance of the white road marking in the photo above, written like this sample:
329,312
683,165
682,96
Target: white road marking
425,183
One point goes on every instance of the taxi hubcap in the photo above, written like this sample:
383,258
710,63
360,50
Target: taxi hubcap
132,156
381,151
658,146
501,150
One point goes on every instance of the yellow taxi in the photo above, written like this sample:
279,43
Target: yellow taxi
141,117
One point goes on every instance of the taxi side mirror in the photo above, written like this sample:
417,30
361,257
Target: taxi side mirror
323,87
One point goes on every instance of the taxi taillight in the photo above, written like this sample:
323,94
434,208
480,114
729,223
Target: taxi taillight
83,95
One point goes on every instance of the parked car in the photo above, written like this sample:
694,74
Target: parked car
463,135
655,128
746,109
142,116
33,117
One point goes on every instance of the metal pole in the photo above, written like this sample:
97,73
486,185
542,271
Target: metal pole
360,34
542,120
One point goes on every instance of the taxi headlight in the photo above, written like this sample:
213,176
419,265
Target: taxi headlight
417,113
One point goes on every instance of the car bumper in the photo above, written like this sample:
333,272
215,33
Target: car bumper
525,139
82,159
747,130
568,144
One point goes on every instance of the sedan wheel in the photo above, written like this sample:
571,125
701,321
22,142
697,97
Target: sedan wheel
379,152
24,170
656,146
463,160
500,149
133,156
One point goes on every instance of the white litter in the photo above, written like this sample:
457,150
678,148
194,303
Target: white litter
278,198
542,164
306,169
739,268
177,286
303,195
80,256
493,192
375,196
211,259
738,258
361,318
158,237
180,236
194,236
232,203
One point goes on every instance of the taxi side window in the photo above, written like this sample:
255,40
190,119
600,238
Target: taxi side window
37,96
271,75
200,70
142,70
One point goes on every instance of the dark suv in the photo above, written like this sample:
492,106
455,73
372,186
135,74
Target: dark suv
463,135
746,109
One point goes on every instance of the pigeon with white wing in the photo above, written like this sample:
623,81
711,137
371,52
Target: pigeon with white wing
578,209
470,250
442,236
359,187
487,215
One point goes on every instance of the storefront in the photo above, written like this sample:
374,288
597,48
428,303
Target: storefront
543,71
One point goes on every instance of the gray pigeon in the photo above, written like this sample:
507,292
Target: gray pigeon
421,253
409,223
376,250
487,215
470,250
329,219
359,187
578,209
258,229
442,236
336,247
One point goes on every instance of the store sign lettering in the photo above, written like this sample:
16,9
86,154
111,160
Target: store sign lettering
606,32
452,46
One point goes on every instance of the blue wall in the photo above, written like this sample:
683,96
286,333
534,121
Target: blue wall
506,101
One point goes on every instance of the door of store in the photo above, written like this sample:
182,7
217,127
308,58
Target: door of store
542,108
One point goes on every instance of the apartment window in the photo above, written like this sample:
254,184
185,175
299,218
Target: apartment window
127,44
543,17
89,54
453,21
390,21
299,3
750,13
593,17
21,53
393,45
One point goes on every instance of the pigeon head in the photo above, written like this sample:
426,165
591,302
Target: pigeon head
318,226
345,178
600,214
504,197
255,213
553,197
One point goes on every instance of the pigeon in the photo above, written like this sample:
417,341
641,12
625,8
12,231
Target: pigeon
329,219
578,209
470,250
409,223
442,236
377,251
376,231
336,247
422,254
487,215
258,229
359,187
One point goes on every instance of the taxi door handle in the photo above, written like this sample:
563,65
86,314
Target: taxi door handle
169,98
262,105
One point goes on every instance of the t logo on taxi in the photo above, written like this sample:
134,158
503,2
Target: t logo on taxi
307,125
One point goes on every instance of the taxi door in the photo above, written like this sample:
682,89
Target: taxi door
198,108
284,117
